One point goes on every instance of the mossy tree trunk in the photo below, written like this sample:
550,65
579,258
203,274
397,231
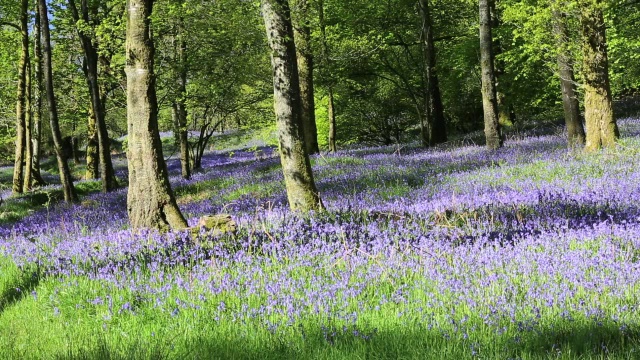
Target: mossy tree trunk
90,50
304,54
436,130
301,190
21,108
492,129
572,118
602,130
63,167
150,200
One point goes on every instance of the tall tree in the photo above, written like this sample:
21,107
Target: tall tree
304,54
331,112
492,129
436,131
150,200
504,116
301,189
36,138
28,132
89,47
21,108
179,108
93,162
602,130
572,118
63,167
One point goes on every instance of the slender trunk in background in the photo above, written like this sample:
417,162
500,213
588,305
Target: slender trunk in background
37,113
21,109
602,130
504,115
492,130
63,167
331,113
572,119
436,130
28,134
301,189
180,107
304,55
107,174
93,164
150,200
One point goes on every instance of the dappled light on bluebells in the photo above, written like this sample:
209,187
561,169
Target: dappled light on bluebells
527,250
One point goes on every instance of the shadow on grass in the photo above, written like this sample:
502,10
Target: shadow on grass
23,286
18,207
570,341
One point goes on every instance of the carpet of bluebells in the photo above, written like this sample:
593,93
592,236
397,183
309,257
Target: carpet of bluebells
528,252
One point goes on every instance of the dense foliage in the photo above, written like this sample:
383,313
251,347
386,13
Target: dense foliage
373,63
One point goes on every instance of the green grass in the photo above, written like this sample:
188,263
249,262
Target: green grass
17,207
58,319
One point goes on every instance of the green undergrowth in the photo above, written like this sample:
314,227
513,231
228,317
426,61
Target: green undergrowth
78,318
17,207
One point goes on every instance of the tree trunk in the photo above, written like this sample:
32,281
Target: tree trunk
93,164
21,109
150,200
180,108
107,174
37,114
63,167
178,113
602,130
572,119
504,115
436,131
28,134
327,61
304,54
331,113
492,130
301,189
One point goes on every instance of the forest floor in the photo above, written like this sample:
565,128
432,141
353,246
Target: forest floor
528,252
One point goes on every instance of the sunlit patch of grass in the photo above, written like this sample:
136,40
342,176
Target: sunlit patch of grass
202,190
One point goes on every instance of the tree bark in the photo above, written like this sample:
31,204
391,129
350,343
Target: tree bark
89,48
37,114
602,130
180,107
572,118
21,109
63,167
92,159
436,131
504,116
492,129
28,134
150,200
301,189
304,54
331,113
